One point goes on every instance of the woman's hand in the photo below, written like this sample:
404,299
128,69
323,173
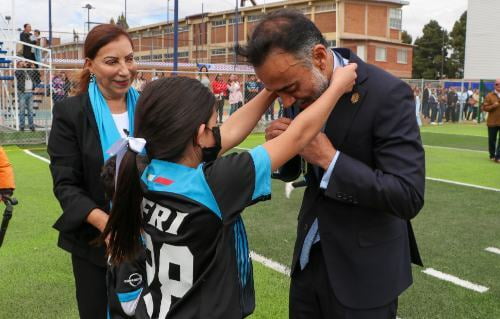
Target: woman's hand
344,78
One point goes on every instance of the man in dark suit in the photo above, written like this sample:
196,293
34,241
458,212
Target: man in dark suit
365,177
425,102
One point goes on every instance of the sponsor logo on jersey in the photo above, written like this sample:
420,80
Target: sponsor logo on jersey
134,280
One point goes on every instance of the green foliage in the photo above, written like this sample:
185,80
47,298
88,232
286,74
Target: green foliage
406,37
457,42
429,60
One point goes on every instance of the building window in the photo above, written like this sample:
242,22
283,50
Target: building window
304,10
324,8
395,18
361,52
381,54
402,56
183,54
233,20
218,23
253,18
156,33
218,52
331,43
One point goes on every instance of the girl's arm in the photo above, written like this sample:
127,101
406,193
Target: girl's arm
310,121
241,123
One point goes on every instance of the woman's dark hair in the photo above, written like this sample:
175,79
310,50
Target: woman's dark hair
203,67
98,37
168,115
285,29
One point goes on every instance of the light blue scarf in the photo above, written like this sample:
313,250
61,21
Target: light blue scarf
108,133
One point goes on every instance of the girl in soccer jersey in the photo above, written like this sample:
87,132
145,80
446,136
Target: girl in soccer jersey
187,201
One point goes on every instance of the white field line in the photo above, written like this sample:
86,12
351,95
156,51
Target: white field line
286,271
455,280
455,149
36,156
493,250
463,184
270,263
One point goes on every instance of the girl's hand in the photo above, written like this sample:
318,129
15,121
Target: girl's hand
344,78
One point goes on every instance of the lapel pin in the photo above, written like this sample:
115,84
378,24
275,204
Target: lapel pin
355,98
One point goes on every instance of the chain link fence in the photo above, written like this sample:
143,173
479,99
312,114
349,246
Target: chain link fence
452,101
28,94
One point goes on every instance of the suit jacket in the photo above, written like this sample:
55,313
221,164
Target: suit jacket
376,187
76,161
25,37
425,96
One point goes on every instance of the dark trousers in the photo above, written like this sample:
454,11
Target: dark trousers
220,109
91,294
494,142
311,295
426,110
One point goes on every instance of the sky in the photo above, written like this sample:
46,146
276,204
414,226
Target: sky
69,14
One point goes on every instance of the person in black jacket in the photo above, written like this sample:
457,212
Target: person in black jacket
27,37
83,128
365,177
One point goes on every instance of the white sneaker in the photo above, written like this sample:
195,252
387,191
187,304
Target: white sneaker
288,189
433,123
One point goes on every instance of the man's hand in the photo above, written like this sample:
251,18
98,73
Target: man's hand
319,151
277,127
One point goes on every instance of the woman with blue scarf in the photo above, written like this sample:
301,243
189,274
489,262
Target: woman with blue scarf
83,128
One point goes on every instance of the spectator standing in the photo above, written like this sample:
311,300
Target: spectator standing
433,105
203,76
66,84
26,81
235,95
219,89
442,105
57,88
473,105
416,94
452,110
425,102
27,37
252,88
37,52
462,99
492,106
139,82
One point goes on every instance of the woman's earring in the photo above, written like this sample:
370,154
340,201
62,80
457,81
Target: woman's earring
92,77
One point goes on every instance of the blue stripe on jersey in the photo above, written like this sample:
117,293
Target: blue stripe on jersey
242,251
262,163
129,296
186,181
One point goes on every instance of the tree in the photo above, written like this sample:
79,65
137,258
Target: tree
112,21
122,22
431,51
457,42
406,37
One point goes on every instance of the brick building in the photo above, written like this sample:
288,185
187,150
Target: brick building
370,28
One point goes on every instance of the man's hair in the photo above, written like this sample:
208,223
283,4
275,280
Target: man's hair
284,29
25,25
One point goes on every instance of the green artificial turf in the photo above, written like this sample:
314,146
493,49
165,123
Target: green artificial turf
455,226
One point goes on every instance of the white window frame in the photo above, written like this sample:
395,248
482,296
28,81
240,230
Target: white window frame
378,58
217,52
218,23
231,21
395,18
402,56
329,7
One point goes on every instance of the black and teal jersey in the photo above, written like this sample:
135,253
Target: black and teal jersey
197,256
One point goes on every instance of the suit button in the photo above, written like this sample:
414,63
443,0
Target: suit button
305,226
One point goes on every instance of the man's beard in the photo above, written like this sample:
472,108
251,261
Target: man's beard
320,84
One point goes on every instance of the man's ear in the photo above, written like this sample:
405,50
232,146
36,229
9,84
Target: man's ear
320,56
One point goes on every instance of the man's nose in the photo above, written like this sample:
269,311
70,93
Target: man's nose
288,100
